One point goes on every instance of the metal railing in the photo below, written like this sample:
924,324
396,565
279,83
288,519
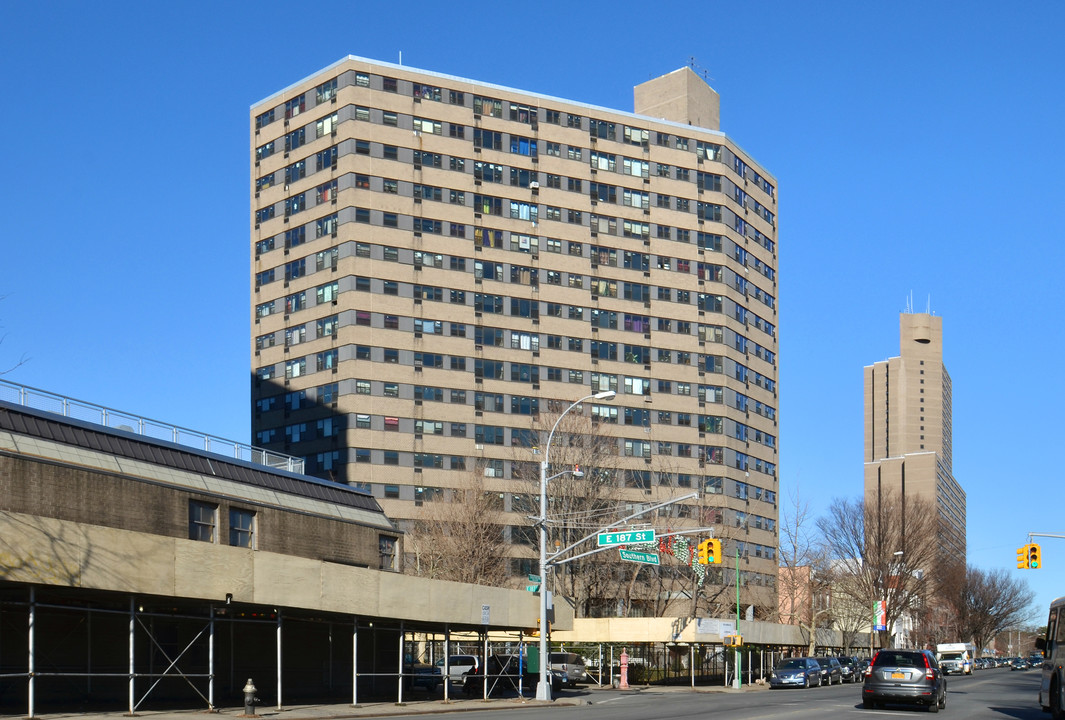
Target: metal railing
116,419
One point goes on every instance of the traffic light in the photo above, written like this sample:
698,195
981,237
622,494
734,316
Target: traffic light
704,552
733,640
1033,556
1022,557
715,551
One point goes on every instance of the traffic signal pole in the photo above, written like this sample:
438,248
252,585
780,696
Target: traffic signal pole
739,658
1030,556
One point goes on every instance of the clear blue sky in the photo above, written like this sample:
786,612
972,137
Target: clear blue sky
917,146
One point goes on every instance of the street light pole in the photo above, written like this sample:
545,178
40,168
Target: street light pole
543,687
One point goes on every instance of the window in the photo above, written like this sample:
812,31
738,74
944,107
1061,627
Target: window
432,127
295,139
487,106
326,126
427,92
295,204
327,360
326,158
242,528
326,91
265,119
326,192
522,146
487,139
264,151
294,107
203,519
326,226
295,368
387,549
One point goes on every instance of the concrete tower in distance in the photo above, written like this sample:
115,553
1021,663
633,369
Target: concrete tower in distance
908,427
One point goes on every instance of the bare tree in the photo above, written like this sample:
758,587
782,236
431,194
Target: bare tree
987,602
460,535
577,506
599,584
886,550
806,575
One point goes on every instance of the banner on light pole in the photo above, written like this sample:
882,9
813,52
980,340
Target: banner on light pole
879,615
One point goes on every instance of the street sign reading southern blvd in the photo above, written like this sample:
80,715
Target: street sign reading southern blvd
640,557
626,537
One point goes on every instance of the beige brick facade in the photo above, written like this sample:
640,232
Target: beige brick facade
437,262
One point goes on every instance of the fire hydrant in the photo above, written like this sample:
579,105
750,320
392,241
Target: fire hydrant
624,683
250,699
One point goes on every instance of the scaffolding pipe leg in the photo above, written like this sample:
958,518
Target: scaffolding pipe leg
279,659
355,662
402,639
132,625
210,665
485,688
31,659
600,664
447,662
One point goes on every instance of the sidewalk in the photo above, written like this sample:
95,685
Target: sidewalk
325,712
416,706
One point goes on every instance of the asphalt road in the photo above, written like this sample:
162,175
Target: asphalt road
997,694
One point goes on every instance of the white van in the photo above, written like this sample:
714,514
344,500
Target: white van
458,666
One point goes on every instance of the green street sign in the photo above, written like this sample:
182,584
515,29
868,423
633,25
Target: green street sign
626,537
639,557
532,588
534,578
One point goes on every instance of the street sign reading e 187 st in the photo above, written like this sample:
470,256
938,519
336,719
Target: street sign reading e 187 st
626,537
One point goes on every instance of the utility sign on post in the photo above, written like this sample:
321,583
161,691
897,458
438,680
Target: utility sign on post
626,537
639,557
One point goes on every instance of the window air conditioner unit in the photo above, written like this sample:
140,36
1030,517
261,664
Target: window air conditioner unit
534,185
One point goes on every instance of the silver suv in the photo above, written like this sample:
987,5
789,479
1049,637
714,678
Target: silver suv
571,664
905,676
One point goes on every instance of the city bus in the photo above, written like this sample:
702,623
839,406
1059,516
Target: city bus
1052,685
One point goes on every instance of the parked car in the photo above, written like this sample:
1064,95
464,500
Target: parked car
796,672
850,668
905,676
419,674
831,671
505,674
572,665
458,666
1019,664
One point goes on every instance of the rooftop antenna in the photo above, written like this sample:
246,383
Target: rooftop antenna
909,303
696,67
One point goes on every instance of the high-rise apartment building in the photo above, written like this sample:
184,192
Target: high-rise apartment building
908,435
441,265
